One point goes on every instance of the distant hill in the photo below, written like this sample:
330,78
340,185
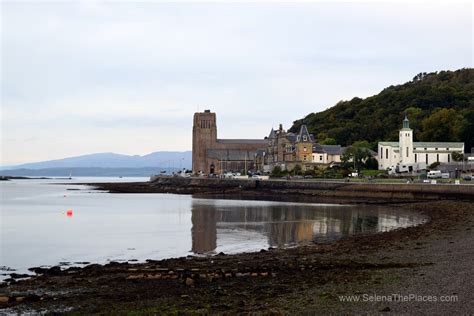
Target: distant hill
159,159
439,105
87,172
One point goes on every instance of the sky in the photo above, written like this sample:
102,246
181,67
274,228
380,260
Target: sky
119,76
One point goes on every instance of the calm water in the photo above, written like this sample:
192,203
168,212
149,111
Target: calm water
45,223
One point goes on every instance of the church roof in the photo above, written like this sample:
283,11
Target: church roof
392,144
427,144
231,154
438,144
242,141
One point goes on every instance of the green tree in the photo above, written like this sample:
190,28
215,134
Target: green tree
441,126
321,137
276,171
371,163
329,141
457,156
356,155
379,117
415,115
297,170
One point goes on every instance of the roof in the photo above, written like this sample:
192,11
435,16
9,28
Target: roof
242,141
393,144
329,149
303,135
260,152
272,134
291,137
333,149
373,153
438,145
231,154
426,144
317,148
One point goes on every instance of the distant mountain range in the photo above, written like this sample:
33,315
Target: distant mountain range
104,164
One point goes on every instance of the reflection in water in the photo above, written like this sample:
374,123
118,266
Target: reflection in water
219,223
204,230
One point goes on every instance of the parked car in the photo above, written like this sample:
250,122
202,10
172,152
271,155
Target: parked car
434,174
468,178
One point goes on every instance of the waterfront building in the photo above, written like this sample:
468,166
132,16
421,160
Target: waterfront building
280,148
213,155
288,149
413,156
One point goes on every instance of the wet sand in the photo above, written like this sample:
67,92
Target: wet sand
423,263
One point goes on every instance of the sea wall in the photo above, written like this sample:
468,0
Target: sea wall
298,190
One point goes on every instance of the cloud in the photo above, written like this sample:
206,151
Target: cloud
71,70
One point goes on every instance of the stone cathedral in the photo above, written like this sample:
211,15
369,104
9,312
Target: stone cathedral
213,155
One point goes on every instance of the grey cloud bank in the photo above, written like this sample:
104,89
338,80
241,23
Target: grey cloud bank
126,77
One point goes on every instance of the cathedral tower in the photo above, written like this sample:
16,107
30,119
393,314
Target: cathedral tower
204,137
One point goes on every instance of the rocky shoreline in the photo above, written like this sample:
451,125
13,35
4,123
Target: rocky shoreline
431,259
300,191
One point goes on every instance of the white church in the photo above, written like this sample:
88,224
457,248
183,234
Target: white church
412,156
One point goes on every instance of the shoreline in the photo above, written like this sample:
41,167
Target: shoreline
296,191
307,278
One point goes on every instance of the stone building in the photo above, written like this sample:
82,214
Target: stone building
287,149
213,155
414,155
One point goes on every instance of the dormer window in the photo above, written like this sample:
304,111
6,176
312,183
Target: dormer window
305,138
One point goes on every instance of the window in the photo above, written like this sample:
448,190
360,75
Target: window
447,148
304,148
426,158
437,157
425,148
304,158
386,153
305,138
381,153
320,157
415,158
436,148
407,151
449,158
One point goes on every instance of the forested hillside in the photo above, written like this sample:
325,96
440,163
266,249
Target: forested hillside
439,105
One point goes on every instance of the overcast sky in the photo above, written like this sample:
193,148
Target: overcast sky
87,77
